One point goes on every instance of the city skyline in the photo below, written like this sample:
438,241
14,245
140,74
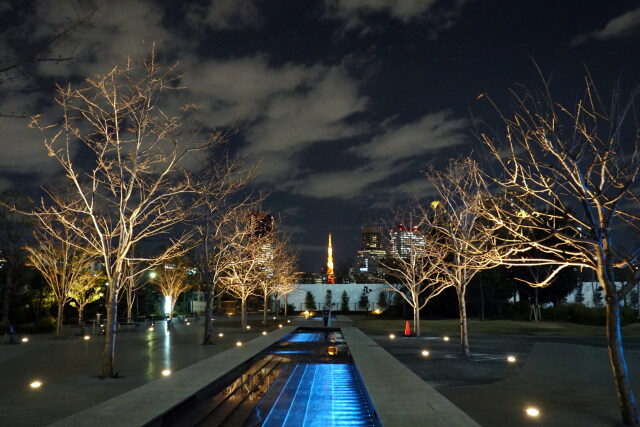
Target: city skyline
342,105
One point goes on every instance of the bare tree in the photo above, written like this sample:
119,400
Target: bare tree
242,261
279,270
286,275
135,280
415,263
571,177
457,221
87,288
172,280
128,182
61,263
215,207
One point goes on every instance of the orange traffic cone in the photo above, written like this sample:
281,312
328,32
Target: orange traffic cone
407,329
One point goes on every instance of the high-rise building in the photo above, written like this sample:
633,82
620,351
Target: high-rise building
372,241
372,250
331,278
403,239
261,226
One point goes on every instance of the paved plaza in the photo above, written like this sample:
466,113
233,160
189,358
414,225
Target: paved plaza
568,379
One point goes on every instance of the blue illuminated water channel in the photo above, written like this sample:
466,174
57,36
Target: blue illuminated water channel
306,379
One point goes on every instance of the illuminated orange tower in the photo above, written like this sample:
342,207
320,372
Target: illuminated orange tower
330,276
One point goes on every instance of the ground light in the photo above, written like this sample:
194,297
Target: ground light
188,323
239,344
151,329
511,359
248,326
288,321
392,336
264,332
280,325
35,384
87,337
446,338
220,334
425,353
532,411
25,339
166,372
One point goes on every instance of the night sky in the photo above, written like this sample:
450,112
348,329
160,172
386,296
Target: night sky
343,102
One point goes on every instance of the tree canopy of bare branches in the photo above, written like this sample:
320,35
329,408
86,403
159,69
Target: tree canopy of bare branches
216,205
172,280
279,265
418,269
123,156
87,288
242,258
456,218
571,175
61,263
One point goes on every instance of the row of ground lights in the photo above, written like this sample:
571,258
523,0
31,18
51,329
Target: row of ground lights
36,384
530,411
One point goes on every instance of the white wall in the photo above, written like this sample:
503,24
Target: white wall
354,290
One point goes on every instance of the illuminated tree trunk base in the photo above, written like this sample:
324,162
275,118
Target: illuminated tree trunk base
59,320
243,316
265,300
416,322
109,349
208,318
628,406
464,337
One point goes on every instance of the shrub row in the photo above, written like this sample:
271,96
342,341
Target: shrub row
577,313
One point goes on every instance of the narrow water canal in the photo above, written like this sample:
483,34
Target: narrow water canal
307,379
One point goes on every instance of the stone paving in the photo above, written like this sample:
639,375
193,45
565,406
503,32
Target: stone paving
568,379
69,367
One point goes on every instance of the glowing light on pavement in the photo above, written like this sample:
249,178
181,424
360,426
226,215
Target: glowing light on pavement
533,412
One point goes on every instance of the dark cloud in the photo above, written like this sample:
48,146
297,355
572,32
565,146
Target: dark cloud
620,26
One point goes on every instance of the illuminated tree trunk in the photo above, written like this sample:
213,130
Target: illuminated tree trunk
416,320
131,296
59,319
243,315
265,301
286,304
208,316
109,349
462,307
617,359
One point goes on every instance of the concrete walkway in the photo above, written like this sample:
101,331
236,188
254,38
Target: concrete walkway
69,367
569,380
